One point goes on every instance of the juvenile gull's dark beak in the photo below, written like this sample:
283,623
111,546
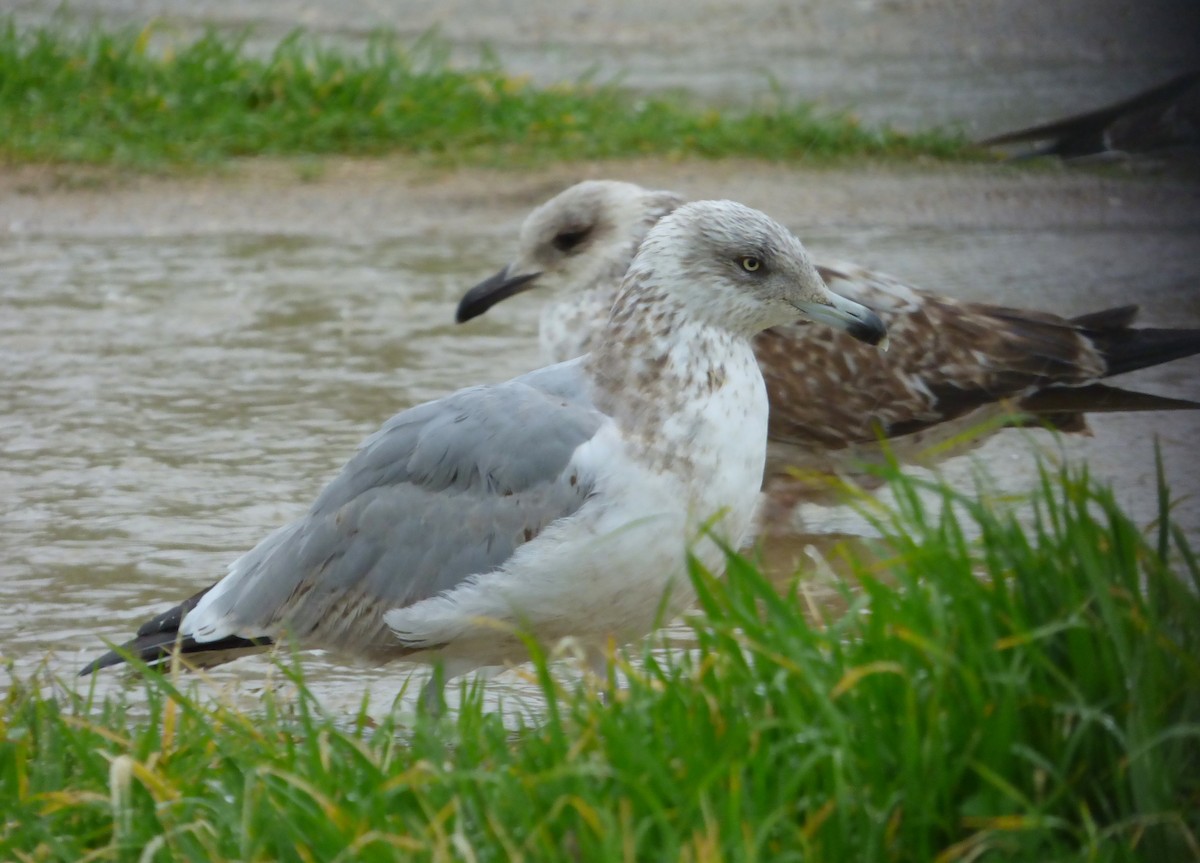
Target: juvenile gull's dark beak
854,319
490,291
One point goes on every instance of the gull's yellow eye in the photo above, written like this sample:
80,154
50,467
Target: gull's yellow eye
750,263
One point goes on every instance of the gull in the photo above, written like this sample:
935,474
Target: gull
952,364
559,504
1161,120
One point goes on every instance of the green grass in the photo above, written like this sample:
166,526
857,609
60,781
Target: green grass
123,98
1034,696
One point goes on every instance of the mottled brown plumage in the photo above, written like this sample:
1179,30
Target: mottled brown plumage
952,364
950,361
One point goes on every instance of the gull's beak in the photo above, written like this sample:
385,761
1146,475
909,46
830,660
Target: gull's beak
854,319
490,291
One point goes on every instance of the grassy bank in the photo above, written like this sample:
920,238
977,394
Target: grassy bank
1049,711
139,99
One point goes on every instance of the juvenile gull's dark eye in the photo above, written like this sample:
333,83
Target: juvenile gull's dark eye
568,240
750,263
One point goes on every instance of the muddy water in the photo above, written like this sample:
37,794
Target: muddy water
167,401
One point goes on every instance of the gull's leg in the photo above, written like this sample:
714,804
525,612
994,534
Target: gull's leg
596,663
432,700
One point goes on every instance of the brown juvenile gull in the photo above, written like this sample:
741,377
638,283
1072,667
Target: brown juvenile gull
950,365
560,503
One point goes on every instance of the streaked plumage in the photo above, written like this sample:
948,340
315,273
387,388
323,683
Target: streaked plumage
560,503
831,399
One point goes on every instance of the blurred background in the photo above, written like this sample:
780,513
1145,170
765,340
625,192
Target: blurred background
980,66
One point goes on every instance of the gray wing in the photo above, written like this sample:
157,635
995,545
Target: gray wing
442,491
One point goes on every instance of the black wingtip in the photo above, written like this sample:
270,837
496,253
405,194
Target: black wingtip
105,661
159,648
1133,349
1126,348
1118,318
150,649
158,639
1097,398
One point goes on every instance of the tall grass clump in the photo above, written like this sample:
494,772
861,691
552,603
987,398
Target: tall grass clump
1030,696
122,97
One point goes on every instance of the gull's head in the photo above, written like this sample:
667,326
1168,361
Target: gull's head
583,238
735,267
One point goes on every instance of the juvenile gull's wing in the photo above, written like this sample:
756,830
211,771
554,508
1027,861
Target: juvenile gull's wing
951,366
442,491
947,358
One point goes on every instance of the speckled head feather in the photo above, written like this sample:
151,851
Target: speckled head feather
707,278
558,239
578,243
755,273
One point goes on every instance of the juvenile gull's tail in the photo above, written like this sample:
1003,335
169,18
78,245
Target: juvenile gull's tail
1123,348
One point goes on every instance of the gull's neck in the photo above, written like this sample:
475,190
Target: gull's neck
572,324
658,369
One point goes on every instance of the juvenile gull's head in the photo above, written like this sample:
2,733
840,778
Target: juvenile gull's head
581,239
730,266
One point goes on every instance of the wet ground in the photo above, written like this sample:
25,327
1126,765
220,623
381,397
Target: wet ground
186,361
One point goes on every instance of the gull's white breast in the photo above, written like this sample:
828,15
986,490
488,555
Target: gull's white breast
606,571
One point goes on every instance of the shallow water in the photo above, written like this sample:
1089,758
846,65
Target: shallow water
166,402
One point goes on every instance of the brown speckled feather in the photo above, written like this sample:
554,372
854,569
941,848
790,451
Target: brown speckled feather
952,364
947,360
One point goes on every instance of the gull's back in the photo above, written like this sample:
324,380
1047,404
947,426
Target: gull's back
443,491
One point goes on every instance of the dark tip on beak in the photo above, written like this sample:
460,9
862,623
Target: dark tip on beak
492,290
852,318
868,327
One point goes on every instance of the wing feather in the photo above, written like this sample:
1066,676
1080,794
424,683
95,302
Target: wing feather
442,491
947,358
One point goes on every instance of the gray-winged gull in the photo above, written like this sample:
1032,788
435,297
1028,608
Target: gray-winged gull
951,362
560,503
